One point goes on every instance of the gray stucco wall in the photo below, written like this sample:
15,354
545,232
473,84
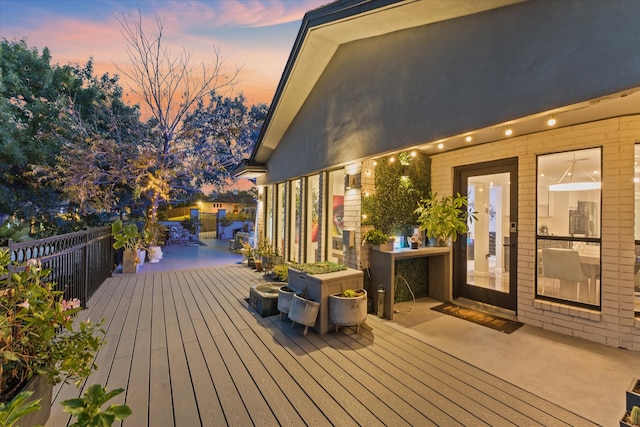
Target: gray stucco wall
419,85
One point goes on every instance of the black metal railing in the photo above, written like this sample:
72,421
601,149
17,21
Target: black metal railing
79,262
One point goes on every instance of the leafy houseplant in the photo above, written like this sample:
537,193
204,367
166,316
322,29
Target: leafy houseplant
348,308
128,238
37,332
444,218
375,237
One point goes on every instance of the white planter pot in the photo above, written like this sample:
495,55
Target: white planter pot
155,254
304,312
348,311
142,255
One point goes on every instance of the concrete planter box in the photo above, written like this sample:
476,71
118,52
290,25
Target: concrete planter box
41,390
319,287
633,394
264,299
304,312
350,311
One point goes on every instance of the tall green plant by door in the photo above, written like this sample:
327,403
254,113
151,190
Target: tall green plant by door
444,218
399,185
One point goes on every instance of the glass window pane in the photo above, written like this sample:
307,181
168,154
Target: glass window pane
313,216
569,194
568,206
294,228
336,222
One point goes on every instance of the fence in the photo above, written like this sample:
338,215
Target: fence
79,262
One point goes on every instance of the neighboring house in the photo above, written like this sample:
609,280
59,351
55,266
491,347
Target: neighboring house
474,85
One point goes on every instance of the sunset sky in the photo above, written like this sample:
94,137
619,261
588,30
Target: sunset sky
256,35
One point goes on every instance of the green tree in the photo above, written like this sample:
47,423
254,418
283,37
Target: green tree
217,137
168,90
30,100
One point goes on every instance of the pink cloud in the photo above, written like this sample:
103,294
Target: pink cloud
192,25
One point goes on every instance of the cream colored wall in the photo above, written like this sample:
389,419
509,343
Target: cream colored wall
615,324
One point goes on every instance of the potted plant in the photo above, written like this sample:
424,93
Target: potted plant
127,237
153,236
445,218
303,311
378,239
633,394
285,297
39,343
249,253
631,418
348,308
318,280
415,241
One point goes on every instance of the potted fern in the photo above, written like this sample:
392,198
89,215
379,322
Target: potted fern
445,218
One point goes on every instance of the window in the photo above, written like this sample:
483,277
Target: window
280,232
335,204
312,212
568,226
294,221
636,180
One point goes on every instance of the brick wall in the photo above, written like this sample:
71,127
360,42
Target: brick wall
614,324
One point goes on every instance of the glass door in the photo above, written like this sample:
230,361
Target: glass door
485,261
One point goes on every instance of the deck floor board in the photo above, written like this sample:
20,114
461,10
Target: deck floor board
189,351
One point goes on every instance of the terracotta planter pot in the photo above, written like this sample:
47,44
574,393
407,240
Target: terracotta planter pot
304,312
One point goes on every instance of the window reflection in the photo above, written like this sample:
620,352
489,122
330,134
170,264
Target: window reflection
568,226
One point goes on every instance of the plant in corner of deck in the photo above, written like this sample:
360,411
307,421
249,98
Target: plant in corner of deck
38,335
87,408
126,236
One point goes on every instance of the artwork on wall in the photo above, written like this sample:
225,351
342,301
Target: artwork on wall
338,215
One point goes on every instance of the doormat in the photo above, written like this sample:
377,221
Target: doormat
489,320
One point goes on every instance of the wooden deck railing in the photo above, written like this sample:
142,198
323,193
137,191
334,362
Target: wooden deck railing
79,262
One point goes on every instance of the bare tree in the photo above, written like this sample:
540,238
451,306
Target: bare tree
168,88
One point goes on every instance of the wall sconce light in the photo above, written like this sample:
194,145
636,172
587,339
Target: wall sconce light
508,131
468,138
351,181
551,121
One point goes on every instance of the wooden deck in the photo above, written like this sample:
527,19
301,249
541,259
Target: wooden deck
189,352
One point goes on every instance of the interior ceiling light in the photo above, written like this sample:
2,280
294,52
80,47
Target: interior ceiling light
468,138
551,121
508,131
567,183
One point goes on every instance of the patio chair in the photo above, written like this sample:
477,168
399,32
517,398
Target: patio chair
563,265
